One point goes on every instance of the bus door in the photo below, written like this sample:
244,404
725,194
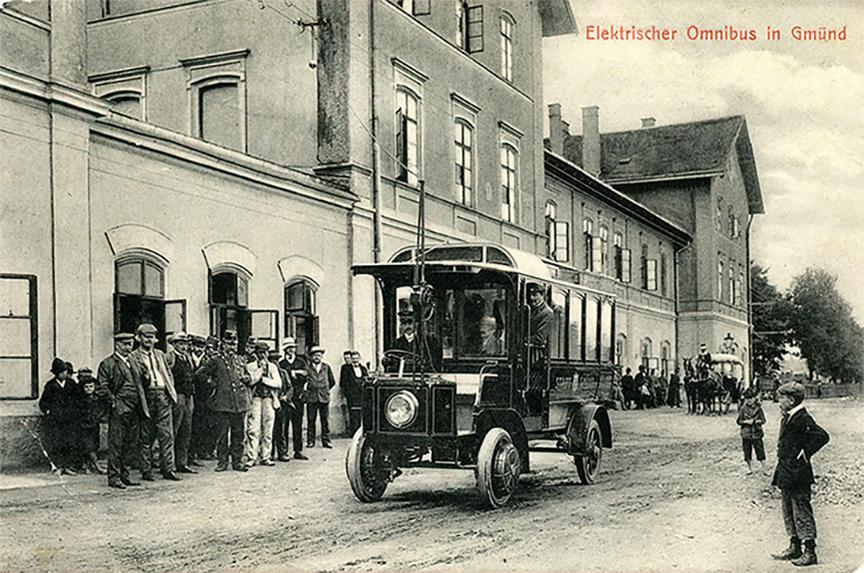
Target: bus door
538,327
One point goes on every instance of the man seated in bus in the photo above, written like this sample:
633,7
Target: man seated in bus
405,342
491,343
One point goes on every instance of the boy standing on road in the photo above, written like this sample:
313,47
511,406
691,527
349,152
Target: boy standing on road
751,418
800,438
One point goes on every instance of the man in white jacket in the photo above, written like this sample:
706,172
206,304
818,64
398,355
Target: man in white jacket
265,387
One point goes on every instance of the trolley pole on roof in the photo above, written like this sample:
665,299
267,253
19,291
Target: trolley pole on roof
418,294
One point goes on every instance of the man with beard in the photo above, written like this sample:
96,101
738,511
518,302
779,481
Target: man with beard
226,373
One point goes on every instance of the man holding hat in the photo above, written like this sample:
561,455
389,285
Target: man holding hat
800,437
266,385
181,415
226,373
127,406
151,370
293,399
320,380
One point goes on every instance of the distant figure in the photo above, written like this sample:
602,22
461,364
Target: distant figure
92,412
674,399
351,382
800,438
628,389
703,361
751,418
320,380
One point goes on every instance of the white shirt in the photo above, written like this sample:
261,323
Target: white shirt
156,378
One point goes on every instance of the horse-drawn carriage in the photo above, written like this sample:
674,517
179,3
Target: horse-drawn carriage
712,388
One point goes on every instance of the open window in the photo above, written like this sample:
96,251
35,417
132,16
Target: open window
301,313
139,297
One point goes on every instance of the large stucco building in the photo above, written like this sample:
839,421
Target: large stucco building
205,164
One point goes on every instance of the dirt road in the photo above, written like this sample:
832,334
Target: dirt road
672,496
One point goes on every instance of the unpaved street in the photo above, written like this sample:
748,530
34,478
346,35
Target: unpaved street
673,495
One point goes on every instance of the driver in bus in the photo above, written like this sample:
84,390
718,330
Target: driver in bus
541,316
405,342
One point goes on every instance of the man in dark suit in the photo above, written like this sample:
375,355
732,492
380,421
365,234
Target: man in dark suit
127,406
226,372
290,415
800,438
183,412
406,339
351,381
319,381
150,369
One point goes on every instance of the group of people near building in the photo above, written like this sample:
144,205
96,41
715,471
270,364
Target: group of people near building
647,389
199,400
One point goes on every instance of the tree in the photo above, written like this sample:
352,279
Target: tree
823,327
770,315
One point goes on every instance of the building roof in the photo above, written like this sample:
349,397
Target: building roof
556,18
581,180
679,151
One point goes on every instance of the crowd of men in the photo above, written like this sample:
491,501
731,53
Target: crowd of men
647,389
199,400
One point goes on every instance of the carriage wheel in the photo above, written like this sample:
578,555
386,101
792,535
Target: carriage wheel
498,467
367,470
588,464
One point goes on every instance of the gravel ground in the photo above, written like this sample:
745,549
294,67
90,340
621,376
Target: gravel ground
673,495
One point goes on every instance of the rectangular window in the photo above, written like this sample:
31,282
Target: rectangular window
664,275
557,347
720,280
606,335
576,309
625,265
464,166
732,289
592,318
475,29
643,260
597,254
415,7
507,48
19,372
551,215
604,250
651,272
508,183
407,137
219,115
562,241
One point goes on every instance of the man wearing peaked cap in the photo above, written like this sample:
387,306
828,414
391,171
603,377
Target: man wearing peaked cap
151,368
320,380
184,408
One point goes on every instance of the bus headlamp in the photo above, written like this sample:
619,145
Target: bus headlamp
401,409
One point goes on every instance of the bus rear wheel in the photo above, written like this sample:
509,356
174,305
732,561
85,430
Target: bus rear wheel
588,464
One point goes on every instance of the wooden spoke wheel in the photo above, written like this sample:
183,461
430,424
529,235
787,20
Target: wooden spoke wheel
368,470
588,464
498,467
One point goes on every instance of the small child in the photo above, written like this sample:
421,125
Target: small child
751,418
92,412
800,438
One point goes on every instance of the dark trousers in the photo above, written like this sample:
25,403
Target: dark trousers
203,441
798,514
289,420
158,426
182,415
355,415
123,435
230,436
313,410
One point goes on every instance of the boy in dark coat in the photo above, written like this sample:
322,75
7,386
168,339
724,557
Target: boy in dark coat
800,438
60,402
751,418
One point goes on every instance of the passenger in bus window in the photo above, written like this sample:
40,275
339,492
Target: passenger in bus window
490,342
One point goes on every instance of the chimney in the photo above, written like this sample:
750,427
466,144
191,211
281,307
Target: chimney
648,122
591,140
556,133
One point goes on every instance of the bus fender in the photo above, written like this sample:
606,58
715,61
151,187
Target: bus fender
580,420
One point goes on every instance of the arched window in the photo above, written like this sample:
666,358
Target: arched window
219,112
407,135
665,357
229,301
507,26
463,139
127,103
139,296
646,352
509,172
588,234
301,313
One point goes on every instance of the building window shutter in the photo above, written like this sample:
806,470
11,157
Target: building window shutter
475,29
401,145
597,254
617,263
625,265
422,7
562,241
651,274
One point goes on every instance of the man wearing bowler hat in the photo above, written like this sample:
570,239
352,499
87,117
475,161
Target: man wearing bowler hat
127,406
320,380
150,369
290,415
226,373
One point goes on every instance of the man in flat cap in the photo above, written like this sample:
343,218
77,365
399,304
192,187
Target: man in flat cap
293,402
800,437
225,372
151,369
127,406
320,380
181,415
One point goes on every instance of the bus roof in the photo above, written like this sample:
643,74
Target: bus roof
479,255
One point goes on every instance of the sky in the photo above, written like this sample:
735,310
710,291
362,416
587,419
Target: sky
803,100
